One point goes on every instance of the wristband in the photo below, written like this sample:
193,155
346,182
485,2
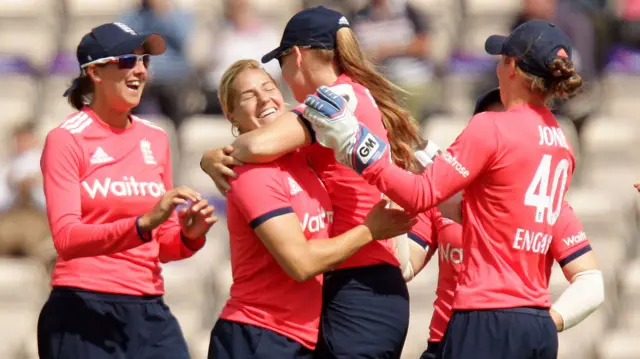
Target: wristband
141,234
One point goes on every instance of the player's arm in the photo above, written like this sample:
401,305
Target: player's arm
271,141
268,211
468,157
60,163
415,248
572,250
173,244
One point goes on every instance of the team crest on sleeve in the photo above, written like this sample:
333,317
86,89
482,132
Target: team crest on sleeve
147,154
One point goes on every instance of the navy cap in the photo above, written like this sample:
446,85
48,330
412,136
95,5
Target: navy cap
314,27
114,39
535,44
487,99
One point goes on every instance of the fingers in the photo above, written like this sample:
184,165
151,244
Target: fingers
332,98
319,105
228,149
186,193
223,170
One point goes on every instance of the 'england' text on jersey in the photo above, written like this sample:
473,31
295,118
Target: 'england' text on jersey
529,241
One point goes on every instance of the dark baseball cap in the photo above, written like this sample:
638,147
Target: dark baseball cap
487,99
314,27
535,44
112,40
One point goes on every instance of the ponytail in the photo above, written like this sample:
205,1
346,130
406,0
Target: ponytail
82,90
402,129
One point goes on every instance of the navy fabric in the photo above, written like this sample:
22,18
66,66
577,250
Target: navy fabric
535,44
487,99
432,352
517,333
79,324
232,340
365,313
314,27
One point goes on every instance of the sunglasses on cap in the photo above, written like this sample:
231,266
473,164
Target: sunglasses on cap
124,62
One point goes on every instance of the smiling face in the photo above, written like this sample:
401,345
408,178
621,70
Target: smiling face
256,100
121,87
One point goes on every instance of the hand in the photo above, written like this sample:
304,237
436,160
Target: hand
637,186
165,207
196,219
557,319
217,164
337,128
387,223
426,155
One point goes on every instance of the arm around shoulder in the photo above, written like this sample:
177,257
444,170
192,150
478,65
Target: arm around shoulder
271,141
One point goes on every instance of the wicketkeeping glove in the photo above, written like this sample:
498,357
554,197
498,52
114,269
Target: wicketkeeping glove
337,128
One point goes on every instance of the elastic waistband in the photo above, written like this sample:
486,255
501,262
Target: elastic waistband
377,269
538,311
101,296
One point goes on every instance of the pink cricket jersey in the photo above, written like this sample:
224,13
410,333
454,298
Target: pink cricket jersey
568,243
351,196
515,168
262,294
97,181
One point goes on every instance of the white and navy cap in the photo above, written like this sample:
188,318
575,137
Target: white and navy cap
112,40
314,27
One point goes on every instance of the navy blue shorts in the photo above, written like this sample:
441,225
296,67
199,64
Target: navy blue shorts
365,313
432,352
516,333
232,340
81,324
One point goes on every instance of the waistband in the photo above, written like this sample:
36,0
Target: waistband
538,311
376,269
68,292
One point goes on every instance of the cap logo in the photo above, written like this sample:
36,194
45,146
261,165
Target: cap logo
343,21
125,28
562,53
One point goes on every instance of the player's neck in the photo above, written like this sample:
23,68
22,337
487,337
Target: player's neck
324,77
108,115
524,97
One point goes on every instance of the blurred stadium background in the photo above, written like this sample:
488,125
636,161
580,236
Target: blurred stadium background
433,48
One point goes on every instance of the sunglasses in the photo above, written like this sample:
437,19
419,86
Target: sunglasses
287,52
124,62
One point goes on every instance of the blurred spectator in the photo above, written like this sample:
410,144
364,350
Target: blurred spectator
170,73
23,224
243,34
630,24
395,35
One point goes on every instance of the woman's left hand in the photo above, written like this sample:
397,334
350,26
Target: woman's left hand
196,219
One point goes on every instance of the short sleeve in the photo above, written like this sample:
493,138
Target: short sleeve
569,238
259,193
299,110
423,232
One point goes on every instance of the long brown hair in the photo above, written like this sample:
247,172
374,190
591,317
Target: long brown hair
402,129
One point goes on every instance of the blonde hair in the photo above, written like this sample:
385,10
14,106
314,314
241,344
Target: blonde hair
226,93
565,82
402,129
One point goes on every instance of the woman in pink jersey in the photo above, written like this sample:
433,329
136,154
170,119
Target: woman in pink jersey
279,217
571,249
366,294
504,162
112,212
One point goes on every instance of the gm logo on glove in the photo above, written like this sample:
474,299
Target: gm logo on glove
368,147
